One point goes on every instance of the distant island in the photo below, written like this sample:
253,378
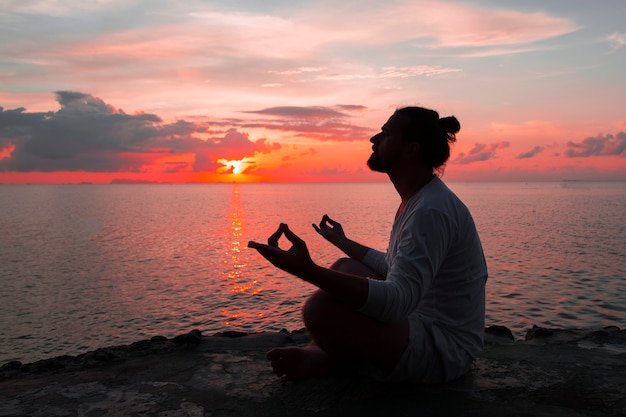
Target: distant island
132,181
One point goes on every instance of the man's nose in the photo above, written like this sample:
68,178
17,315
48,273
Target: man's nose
375,138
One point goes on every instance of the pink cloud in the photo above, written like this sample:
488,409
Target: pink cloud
607,145
534,151
480,152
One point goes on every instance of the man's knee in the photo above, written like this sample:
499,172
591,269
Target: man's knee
343,264
316,310
354,267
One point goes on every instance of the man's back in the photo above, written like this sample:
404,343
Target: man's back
437,271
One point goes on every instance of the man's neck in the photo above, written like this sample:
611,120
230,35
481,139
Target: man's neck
408,185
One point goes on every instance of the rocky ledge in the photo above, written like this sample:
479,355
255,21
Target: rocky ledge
550,373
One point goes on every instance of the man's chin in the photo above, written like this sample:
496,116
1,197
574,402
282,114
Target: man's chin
374,165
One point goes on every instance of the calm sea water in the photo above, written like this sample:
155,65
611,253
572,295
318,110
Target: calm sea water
88,266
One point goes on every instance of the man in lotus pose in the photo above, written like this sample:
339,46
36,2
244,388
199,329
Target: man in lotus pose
415,313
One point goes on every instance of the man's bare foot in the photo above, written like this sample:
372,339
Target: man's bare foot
296,363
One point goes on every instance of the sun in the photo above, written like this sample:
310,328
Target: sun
237,166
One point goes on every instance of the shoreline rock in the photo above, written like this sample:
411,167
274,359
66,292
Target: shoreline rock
552,372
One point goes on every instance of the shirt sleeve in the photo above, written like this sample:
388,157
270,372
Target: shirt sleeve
422,245
376,260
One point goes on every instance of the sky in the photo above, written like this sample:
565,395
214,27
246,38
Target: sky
114,91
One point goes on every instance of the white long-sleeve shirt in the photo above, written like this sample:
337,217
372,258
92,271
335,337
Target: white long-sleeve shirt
434,268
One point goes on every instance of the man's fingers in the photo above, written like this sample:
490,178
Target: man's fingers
260,247
291,236
275,237
272,250
331,221
328,223
268,252
325,223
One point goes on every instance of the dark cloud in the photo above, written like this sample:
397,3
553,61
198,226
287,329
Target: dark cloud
322,123
480,152
598,146
313,112
176,166
531,153
87,134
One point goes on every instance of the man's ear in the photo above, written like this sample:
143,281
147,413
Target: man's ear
413,148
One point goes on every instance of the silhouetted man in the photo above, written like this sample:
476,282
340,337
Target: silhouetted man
415,313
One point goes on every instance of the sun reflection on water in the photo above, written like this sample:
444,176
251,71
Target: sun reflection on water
237,222
235,263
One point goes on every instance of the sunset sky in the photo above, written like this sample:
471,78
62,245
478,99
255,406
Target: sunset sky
292,90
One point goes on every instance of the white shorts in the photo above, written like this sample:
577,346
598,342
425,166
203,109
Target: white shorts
421,361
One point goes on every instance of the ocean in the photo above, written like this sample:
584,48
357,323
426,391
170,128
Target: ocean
90,266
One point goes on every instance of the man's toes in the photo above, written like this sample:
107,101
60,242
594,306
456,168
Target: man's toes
274,354
278,370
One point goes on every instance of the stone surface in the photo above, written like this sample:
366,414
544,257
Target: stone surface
551,373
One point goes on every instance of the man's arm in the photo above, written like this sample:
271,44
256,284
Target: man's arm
333,232
351,290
